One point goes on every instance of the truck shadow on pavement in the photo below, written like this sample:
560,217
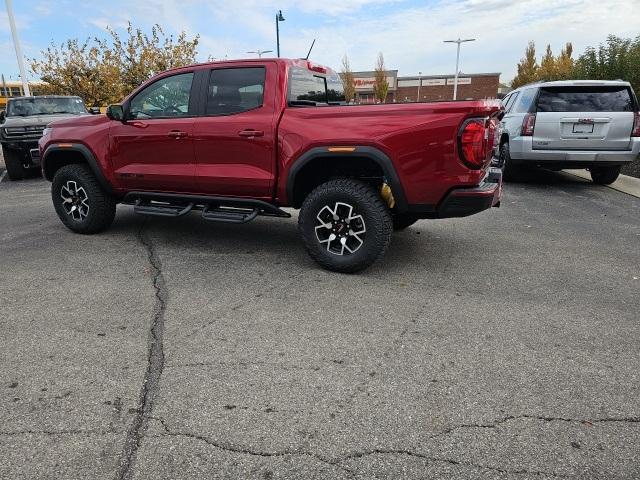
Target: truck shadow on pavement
277,241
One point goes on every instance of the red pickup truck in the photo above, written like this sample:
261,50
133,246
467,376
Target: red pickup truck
238,139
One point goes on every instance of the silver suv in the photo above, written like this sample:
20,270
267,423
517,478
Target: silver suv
570,124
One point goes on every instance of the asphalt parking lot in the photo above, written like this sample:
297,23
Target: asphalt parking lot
500,346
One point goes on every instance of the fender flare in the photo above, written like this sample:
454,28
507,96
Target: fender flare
371,153
88,156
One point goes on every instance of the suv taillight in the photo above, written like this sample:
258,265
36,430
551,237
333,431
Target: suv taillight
473,141
528,124
636,125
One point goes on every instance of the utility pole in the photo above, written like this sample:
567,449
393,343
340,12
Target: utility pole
419,84
16,44
260,52
279,18
455,81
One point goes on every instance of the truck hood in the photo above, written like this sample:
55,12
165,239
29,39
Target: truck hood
39,120
80,120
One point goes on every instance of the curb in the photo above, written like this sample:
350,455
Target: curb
624,183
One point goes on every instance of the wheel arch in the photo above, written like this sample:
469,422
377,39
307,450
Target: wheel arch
301,179
56,157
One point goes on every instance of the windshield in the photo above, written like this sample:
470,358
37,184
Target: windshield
24,107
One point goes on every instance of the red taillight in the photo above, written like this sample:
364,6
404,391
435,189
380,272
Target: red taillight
528,124
636,125
472,142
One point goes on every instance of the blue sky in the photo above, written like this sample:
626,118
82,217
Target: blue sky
408,32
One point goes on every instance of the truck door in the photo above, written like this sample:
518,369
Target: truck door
235,138
153,148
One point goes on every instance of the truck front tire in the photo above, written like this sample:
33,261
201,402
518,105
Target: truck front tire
13,162
79,200
605,175
345,225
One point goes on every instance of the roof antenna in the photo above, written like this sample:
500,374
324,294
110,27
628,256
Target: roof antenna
311,48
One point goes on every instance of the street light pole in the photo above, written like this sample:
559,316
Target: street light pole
455,81
279,18
16,44
260,52
419,84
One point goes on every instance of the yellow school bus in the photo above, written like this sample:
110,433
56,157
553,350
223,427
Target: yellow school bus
13,88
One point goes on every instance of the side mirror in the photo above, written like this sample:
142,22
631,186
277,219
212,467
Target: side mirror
115,112
94,110
2,116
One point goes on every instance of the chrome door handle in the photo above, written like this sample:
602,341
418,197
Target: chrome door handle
251,133
177,134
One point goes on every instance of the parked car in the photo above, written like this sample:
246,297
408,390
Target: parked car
570,124
22,124
238,139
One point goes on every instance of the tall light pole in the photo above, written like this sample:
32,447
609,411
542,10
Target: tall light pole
455,81
279,18
419,84
260,52
16,44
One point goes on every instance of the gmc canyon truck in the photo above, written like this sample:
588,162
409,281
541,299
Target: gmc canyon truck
238,139
22,124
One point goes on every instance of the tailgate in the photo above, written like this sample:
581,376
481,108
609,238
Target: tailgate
584,118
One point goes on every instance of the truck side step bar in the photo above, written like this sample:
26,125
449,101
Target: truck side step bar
160,209
226,215
217,209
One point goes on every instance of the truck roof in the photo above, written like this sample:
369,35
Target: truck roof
288,61
577,83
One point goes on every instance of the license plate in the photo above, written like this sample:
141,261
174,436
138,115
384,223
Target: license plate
583,128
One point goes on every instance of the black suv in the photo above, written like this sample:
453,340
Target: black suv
22,124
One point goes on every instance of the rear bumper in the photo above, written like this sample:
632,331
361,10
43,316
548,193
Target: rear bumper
462,202
521,149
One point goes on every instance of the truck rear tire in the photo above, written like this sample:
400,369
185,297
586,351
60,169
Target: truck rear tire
403,220
605,175
345,225
13,162
80,201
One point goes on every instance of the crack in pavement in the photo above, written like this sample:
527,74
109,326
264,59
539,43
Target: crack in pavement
249,451
339,461
57,432
508,418
521,471
155,361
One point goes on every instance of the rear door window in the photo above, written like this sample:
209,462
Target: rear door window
235,90
585,99
510,102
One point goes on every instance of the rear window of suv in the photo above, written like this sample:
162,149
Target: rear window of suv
585,99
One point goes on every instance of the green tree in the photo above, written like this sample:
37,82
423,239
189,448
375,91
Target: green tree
527,68
381,86
348,80
103,71
617,58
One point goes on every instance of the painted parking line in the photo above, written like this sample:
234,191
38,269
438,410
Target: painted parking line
624,183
